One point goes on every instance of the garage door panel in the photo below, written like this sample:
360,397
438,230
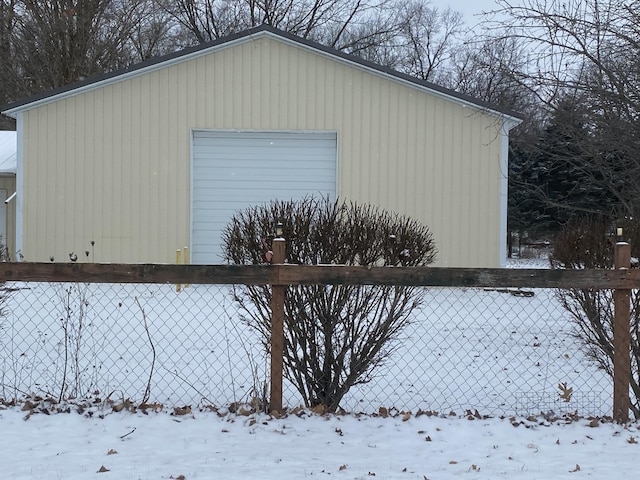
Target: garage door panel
234,170
260,174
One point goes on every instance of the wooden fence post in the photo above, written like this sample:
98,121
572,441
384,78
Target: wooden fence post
277,330
621,339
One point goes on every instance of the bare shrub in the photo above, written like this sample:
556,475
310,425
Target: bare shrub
74,303
335,335
4,295
587,242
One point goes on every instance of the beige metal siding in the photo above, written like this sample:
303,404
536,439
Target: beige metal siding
112,164
8,184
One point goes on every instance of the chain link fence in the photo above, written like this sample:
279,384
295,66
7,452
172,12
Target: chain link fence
497,352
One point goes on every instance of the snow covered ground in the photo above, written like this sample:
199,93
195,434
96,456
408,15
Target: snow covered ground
501,354
204,446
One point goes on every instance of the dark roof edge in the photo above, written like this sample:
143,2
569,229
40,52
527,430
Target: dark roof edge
122,71
248,33
395,73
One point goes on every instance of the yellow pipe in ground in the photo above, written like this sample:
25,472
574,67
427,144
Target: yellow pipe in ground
186,261
178,254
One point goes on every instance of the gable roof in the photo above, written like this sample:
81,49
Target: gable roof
13,108
8,147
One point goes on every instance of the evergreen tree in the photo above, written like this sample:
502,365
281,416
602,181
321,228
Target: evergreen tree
561,176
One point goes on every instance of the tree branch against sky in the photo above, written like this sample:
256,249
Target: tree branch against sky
567,38
587,50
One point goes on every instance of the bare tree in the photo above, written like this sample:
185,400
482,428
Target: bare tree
49,43
153,34
490,70
587,242
413,37
9,81
568,38
587,49
61,41
428,38
320,19
206,20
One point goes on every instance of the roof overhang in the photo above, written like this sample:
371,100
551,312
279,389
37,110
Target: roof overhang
511,118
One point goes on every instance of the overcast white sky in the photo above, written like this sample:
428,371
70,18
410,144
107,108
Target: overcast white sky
468,8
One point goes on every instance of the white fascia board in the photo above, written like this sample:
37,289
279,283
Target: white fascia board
504,193
19,189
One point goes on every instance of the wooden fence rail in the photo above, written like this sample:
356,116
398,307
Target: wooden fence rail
286,274
621,279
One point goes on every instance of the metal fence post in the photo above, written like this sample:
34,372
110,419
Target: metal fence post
277,330
621,339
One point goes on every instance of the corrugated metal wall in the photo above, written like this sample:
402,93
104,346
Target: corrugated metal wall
8,184
112,164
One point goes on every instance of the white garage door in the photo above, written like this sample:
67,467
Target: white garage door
234,170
